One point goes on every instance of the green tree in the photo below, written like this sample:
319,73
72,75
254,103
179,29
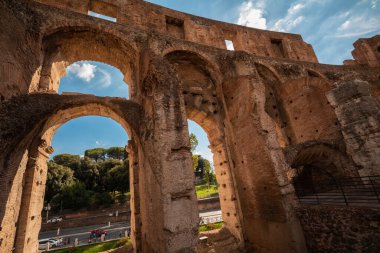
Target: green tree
96,153
73,196
118,178
58,177
208,172
193,142
68,160
88,173
116,153
195,161
104,167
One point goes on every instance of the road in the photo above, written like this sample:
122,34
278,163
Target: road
113,231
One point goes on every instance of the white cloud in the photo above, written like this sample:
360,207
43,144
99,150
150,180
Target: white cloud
374,4
106,78
291,19
296,8
357,26
252,15
84,71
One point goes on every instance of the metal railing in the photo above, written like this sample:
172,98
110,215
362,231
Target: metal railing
210,219
353,191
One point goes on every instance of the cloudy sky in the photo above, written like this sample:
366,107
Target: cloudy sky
331,26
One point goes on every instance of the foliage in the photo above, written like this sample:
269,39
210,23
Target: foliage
68,160
208,173
101,199
195,162
118,177
88,173
205,191
210,226
117,153
73,196
96,153
99,180
193,142
58,177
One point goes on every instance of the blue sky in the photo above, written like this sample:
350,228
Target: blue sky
331,26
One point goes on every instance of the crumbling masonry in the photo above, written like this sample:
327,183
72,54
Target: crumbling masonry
267,107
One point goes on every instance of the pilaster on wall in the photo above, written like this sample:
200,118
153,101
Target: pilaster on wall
29,222
135,233
359,116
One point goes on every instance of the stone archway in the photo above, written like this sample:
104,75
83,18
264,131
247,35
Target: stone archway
24,203
67,45
199,81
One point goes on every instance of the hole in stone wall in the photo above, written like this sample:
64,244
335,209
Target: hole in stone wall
100,9
278,48
378,49
175,27
229,45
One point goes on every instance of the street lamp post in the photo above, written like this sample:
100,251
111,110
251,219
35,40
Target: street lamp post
47,209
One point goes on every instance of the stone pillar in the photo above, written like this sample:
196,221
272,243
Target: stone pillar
169,212
266,196
227,191
359,116
29,222
11,181
135,233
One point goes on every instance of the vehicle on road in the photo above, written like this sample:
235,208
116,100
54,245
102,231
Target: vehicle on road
55,219
53,243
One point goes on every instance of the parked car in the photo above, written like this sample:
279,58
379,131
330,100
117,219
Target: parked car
55,219
53,243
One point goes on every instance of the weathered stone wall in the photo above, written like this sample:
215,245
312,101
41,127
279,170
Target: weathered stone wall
149,16
340,229
255,104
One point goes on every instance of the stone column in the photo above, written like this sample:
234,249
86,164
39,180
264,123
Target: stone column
228,199
266,196
11,181
29,222
135,233
169,212
359,116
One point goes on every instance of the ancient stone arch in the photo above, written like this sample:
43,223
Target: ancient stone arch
178,68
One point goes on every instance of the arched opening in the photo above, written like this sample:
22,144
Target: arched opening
96,78
87,181
199,82
30,217
66,46
318,170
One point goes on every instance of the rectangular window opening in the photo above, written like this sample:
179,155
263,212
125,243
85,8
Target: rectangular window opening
278,48
175,27
229,45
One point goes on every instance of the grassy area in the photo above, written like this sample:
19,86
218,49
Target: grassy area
94,248
204,191
211,226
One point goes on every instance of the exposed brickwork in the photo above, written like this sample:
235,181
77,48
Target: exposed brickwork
263,107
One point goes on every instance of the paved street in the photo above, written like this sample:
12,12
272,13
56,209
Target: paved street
83,233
